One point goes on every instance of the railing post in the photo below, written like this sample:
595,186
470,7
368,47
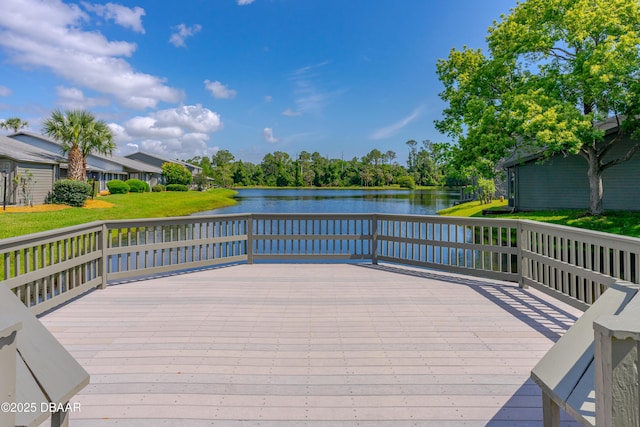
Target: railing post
250,239
104,244
616,358
374,239
60,418
8,353
522,265
550,412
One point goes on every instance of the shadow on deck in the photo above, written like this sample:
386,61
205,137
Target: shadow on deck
321,344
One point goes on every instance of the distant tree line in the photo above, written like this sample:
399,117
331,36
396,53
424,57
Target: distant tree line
428,164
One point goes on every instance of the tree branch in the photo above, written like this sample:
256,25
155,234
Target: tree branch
623,159
611,143
561,53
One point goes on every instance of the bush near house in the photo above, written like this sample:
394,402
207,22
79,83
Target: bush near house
158,188
487,189
137,186
177,187
70,192
176,174
117,186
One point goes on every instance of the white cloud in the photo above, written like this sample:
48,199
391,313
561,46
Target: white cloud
311,97
245,2
194,118
268,99
121,15
218,90
177,39
5,91
181,132
290,113
49,34
73,98
267,133
394,128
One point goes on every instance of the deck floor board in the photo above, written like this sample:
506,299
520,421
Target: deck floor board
317,345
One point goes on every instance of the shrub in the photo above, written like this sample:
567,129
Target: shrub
177,187
487,189
70,192
176,174
117,186
201,181
407,182
137,186
158,188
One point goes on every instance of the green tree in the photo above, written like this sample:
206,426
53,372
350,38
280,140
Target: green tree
554,70
14,123
304,171
80,135
222,163
175,173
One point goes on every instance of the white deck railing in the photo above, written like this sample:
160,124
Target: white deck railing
47,269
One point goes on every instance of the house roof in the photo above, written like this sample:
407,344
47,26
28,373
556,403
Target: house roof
131,164
22,152
164,159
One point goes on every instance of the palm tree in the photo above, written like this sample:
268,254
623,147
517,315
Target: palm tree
80,135
14,123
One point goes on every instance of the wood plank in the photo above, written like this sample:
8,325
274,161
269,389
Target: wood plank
323,344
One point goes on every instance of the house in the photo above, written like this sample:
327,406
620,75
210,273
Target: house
561,182
41,167
102,168
158,161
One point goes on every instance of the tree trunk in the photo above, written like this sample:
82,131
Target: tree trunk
75,164
595,186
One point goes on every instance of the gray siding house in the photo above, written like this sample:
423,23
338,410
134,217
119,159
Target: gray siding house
158,161
20,159
99,167
561,182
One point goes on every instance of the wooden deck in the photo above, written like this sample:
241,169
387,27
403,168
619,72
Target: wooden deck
316,345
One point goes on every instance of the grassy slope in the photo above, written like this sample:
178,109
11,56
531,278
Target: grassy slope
134,205
624,223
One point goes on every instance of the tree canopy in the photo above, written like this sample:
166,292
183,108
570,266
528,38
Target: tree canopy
175,173
80,135
554,70
14,124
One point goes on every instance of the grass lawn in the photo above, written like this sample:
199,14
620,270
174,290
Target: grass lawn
121,206
615,222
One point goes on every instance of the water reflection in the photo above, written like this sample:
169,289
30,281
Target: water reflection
417,202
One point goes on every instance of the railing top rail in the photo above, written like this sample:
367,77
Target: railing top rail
618,238
451,219
137,222
42,237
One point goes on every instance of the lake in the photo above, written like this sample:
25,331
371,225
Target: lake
407,202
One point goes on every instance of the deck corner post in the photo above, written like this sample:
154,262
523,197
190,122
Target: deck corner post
8,355
550,411
60,418
616,359
250,239
103,260
374,239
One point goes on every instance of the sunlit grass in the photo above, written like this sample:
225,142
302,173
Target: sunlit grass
473,208
125,206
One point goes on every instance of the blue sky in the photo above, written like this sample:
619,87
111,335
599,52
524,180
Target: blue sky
185,79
